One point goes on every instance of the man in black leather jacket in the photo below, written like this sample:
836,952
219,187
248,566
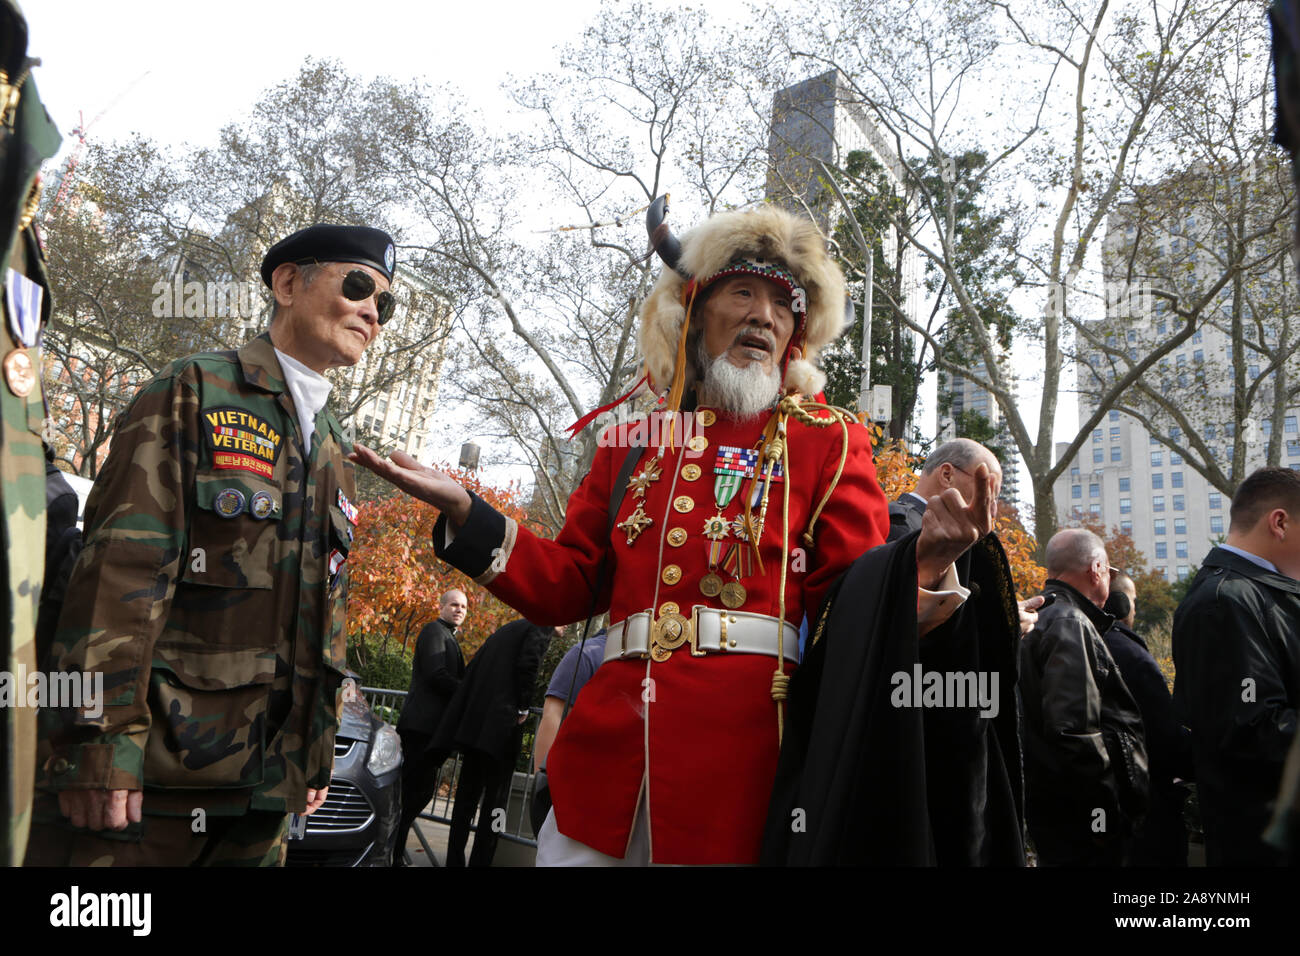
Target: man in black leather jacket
1085,758
1237,653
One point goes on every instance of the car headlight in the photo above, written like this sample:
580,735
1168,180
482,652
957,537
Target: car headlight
385,751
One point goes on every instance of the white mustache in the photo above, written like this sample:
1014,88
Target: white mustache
763,334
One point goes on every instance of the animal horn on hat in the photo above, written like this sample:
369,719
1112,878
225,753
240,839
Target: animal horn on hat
661,237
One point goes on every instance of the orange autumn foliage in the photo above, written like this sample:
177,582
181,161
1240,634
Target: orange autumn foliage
396,581
898,469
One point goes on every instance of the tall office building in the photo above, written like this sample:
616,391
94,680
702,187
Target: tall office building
1124,476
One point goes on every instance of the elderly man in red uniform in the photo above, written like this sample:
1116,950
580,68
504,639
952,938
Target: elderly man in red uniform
730,526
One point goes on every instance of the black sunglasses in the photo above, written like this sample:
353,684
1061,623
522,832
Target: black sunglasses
359,285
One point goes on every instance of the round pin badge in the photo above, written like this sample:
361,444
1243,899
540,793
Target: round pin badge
262,505
390,257
20,373
230,502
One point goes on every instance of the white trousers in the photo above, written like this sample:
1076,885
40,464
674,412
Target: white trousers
555,849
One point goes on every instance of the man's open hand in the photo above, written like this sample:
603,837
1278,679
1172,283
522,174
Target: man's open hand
418,481
101,809
951,526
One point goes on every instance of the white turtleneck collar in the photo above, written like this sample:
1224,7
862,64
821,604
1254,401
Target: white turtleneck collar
310,391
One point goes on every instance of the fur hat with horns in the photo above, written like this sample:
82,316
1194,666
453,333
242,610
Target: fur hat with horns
767,241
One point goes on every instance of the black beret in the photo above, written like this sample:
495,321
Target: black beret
327,243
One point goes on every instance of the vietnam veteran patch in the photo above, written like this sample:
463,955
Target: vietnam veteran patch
242,441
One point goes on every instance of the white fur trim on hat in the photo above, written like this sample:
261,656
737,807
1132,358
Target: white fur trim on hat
767,232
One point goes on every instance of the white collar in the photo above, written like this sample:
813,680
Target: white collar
310,391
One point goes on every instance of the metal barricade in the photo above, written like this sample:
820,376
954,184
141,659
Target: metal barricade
518,828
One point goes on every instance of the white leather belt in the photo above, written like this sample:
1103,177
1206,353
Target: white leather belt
708,631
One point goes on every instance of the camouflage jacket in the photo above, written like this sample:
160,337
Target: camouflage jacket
211,593
27,138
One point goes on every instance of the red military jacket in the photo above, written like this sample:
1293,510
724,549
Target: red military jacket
699,733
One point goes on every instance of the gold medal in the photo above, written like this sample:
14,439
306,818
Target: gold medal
691,472
711,585
20,374
635,523
733,594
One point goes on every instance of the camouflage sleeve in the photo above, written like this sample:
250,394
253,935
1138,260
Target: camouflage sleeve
122,586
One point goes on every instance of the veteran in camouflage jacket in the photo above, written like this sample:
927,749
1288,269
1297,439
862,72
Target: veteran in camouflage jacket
27,138
211,595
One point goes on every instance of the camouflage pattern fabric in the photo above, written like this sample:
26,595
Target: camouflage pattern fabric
27,138
211,594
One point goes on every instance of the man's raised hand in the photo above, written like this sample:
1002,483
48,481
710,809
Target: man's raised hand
418,481
951,526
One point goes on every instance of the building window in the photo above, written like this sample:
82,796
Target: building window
1216,500
1153,440
1094,509
1124,484
1289,424
1160,326
1180,526
1198,356
1157,459
1176,479
1098,456
1183,571
1114,433
1159,526
1114,415
1266,426
1096,435
1178,502
1125,506
1158,503
1126,525
1162,550
1252,371
1116,453
1216,524
1076,491
1175,458
1196,337
1293,448
1157,480
1094,490
1180,549
1209,433
1230,429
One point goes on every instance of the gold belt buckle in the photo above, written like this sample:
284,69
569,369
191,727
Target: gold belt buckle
671,630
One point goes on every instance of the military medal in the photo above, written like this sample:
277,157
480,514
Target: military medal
638,520
229,502
733,594
711,585
20,374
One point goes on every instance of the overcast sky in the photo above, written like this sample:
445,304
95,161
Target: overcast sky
177,72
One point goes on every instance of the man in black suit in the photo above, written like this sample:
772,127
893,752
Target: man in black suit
484,721
436,673
951,465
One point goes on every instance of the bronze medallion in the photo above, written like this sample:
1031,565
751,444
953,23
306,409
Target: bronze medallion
684,503
733,594
660,654
677,537
708,417
698,443
711,585
672,574
669,607
691,472
20,373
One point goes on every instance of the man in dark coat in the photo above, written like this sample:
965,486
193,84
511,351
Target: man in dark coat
484,721
1237,653
436,673
1085,760
962,804
1162,839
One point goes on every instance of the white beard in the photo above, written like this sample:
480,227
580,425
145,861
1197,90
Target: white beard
744,392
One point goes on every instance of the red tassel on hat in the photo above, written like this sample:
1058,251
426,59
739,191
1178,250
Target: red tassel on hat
591,416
